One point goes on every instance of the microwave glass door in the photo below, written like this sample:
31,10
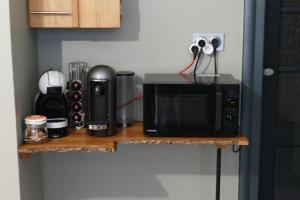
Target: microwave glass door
182,109
188,108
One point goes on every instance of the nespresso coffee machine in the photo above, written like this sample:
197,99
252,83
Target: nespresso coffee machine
101,101
52,103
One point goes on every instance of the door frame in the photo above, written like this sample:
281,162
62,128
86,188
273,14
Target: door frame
253,57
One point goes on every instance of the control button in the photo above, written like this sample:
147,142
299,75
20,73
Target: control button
229,117
231,101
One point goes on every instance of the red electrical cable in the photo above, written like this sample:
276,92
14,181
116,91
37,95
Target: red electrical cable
186,78
187,67
141,96
130,101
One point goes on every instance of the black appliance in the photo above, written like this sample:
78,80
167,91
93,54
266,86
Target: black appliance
51,105
101,98
52,102
189,105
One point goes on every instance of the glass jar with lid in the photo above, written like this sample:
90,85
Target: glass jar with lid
36,129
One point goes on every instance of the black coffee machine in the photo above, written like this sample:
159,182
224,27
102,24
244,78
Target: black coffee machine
101,101
52,103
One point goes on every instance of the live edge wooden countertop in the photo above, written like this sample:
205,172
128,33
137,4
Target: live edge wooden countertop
80,141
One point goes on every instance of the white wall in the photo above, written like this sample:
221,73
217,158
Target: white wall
154,38
9,172
19,179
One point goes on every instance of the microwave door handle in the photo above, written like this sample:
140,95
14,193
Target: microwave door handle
218,120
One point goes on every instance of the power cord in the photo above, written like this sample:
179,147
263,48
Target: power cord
215,43
196,66
195,50
187,67
215,61
201,44
131,101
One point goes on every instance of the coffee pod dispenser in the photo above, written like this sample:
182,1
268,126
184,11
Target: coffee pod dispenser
101,101
77,102
125,96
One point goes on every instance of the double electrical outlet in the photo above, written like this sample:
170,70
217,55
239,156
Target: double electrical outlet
207,42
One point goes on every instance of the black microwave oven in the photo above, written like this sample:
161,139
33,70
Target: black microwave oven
188,105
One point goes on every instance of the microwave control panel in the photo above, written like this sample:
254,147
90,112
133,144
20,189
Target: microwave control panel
230,108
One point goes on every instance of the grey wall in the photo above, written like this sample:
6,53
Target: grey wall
154,38
147,172
25,72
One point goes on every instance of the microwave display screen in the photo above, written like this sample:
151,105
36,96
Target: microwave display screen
188,109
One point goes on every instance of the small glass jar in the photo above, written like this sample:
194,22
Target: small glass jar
36,129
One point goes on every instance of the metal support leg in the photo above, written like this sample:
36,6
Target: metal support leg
218,174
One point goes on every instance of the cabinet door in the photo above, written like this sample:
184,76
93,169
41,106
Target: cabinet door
99,13
53,13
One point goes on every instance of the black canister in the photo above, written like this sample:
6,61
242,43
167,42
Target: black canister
125,98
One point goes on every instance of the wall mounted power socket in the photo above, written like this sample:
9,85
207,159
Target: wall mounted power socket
209,37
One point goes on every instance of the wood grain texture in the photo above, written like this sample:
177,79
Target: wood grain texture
99,14
76,141
50,5
80,141
134,135
39,19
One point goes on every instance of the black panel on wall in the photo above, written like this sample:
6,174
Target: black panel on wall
290,3
288,97
290,39
287,176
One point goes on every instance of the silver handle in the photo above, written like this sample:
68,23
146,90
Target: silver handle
268,72
50,12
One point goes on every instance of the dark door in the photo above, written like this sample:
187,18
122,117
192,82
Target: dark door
280,150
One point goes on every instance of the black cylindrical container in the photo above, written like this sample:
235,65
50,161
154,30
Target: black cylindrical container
57,127
101,101
125,95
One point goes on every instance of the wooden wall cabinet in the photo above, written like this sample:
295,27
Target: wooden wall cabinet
74,13
99,13
53,13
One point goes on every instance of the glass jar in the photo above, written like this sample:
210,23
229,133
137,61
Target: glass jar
36,130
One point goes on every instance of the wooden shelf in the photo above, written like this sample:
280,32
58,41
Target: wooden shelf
80,141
